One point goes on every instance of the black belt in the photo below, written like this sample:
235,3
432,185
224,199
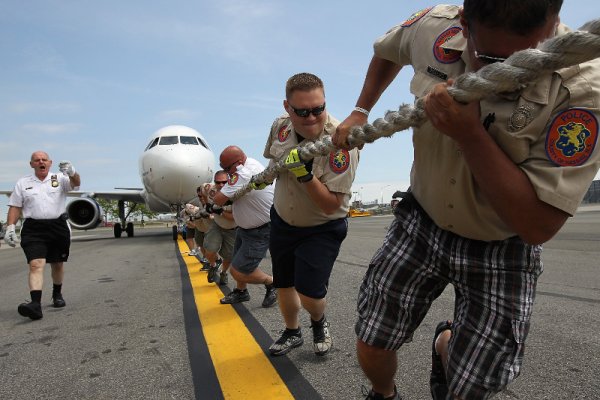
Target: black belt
62,217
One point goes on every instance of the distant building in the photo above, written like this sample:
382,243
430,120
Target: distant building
593,193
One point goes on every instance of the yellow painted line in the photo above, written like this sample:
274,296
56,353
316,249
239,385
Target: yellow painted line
243,369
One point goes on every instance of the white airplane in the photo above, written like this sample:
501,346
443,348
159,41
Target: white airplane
175,162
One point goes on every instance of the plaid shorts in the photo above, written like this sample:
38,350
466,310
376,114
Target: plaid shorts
494,286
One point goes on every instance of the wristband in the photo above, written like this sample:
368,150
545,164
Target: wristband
362,110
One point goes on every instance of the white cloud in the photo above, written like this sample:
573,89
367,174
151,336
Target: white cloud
51,129
25,108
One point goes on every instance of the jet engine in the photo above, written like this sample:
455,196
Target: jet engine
84,213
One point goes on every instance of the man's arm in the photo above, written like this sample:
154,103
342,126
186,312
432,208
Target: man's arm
380,74
75,180
13,215
503,183
328,202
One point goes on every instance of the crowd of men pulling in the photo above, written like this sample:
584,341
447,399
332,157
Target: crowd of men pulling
458,224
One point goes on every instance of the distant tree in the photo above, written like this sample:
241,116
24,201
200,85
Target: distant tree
110,208
142,211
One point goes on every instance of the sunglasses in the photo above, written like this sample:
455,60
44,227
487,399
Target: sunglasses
305,112
220,182
485,58
488,59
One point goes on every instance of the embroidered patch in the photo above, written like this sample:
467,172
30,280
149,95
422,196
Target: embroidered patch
572,137
339,161
283,134
437,73
233,178
54,180
446,56
415,17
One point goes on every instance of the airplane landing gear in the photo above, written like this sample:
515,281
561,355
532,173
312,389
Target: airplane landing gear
117,230
129,229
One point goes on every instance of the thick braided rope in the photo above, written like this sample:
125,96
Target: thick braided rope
519,70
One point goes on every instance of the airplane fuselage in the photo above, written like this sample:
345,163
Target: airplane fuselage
176,161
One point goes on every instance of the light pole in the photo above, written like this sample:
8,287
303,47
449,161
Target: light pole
383,187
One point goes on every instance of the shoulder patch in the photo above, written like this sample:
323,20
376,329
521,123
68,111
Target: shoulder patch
232,179
415,17
283,134
572,137
443,55
339,161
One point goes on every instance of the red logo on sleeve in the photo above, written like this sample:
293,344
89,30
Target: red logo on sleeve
572,137
446,56
339,161
283,133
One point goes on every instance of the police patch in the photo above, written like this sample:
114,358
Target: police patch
283,134
572,137
233,178
415,17
446,56
339,161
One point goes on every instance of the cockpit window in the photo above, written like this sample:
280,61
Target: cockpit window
152,143
188,140
203,144
167,140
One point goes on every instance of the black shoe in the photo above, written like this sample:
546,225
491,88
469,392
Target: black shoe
236,296
31,310
372,395
205,266
213,272
58,301
288,341
321,338
270,297
223,278
437,379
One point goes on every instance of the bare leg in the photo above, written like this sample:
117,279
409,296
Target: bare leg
315,307
379,366
289,305
58,273
36,273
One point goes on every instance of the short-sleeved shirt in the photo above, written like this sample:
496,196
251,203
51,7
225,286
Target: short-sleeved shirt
335,170
210,190
41,199
252,209
549,129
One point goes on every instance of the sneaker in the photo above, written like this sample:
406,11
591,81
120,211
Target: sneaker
205,266
213,272
437,379
236,296
223,278
289,340
270,297
192,252
372,395
58,301
321,338
31,310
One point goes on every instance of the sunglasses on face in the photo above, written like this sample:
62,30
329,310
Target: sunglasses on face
305,112
488,59
227,168
220,182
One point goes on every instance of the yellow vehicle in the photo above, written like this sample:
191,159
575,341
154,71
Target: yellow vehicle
358,212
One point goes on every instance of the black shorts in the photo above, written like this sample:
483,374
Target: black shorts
303,257
46,238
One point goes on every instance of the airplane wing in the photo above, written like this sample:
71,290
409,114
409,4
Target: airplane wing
127,194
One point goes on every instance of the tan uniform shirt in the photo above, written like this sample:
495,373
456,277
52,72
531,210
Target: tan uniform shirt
210,190
336,171
549,129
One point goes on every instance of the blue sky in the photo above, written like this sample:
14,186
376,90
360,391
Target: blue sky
89,81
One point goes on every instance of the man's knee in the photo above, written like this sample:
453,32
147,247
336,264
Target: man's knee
37,264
